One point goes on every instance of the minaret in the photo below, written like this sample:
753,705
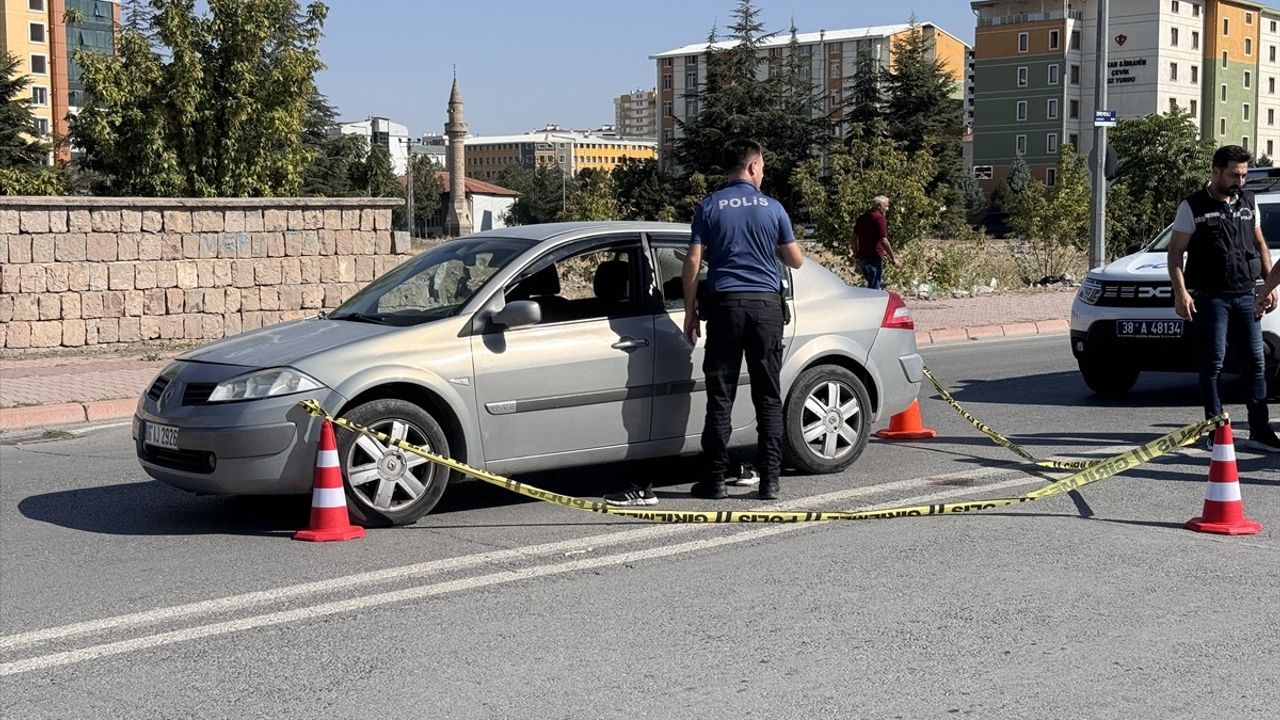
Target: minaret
458,219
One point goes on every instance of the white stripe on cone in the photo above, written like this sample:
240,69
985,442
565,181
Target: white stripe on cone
1223,492
1224,452
329,458
328,498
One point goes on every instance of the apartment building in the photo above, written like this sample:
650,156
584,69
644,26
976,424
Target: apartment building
1035,63
832,58
636,114
380,131
570,150
44,35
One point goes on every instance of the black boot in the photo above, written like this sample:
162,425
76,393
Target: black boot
770,489
709,490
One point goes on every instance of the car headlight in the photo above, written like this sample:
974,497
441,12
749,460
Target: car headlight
1090,291
263,383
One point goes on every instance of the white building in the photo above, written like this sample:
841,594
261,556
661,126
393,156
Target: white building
489,205
390,135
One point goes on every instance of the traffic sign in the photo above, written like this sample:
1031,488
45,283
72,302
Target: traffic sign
1104,118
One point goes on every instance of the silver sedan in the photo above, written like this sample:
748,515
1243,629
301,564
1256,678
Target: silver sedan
514,350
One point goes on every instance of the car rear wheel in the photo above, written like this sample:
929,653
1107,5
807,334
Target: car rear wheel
827,417
1108,379
386,485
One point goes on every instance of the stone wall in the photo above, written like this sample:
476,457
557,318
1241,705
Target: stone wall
78,271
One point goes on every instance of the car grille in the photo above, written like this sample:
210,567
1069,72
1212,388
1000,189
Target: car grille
197,393
1139,294
157,388
193,461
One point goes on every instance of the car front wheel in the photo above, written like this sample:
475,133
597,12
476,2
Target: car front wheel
386,485
827,416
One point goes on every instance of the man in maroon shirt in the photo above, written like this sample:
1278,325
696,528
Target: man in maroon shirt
871,241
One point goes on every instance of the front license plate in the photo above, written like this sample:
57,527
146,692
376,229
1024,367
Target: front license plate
165,436
1149,328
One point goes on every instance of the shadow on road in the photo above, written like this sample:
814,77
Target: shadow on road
1068,389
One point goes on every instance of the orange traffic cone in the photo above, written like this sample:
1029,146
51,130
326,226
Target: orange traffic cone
329,519
906,425
1223,508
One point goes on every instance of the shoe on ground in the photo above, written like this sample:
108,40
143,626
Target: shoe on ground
708,490
747,477
770,490
1208,442
631,498
1264,441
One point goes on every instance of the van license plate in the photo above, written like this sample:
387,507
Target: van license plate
1149,328
165,436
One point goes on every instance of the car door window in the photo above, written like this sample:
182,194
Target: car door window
670,272
591,284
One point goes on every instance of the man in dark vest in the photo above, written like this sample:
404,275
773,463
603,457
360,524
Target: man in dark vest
1220,230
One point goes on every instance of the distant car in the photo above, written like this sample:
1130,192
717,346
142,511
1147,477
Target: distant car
514,350
1122,320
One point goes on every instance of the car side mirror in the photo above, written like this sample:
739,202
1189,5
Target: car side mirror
518,313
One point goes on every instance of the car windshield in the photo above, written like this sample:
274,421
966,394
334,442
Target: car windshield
434,285
1270,230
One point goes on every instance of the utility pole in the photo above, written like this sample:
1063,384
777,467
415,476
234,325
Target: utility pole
1097,244
408,151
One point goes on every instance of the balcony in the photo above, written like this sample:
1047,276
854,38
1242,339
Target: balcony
1022,18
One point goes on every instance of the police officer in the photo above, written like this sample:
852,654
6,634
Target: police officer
1220,230
742,233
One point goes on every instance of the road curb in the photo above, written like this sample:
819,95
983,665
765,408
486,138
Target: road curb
38,416
947,336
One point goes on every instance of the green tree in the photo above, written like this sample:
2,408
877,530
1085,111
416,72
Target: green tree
593,198
1016,183
644,190
209,104
1162,160
427,189
864,100
541,193
378,174
859,172
338,168
1053,223
18,148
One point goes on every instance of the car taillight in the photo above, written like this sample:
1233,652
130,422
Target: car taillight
896,314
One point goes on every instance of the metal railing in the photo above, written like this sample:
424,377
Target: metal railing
1020,18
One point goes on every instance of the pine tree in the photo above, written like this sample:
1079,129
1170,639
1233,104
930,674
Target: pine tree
17,123
919,93
864,101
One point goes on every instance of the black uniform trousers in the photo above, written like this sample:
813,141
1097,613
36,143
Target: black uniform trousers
741,324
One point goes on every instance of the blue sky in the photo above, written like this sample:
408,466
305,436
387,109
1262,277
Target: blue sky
523,64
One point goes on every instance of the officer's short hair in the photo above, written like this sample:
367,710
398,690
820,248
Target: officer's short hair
737,153
1230,154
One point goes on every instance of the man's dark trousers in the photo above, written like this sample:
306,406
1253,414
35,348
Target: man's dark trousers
740,324
1223,320
872,270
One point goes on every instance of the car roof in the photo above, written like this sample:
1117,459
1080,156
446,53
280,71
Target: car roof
548,231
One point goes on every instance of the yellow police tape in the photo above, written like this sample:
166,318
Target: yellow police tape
1100,471
1008,444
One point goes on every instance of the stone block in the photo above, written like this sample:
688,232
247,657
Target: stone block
46,334
233,221
78,221
328,241
312,296
34,221
19,248
42,247
269,298
222,273
73,333
275,220
105,220
26,306
366,220
32,279
382,243
205,273
215,301
231,300
78,277
329,270
57,277
10,279
290,297
72,305
227,246
144,276
250,321
190,246
171,246
130,329
174,300
310,242
309,269
18,335
207,221
366,242
152,221
177,221
101,247
149,327
10,222
210,245
250,299
350,219
346,269
112,304
134,301
194,302
57,221
130,220
4,252
91,305
312,219
290,271
212,326
150,247
365,268
50,306
120,276
70,247
188,275
231,324
296,220
6,309
258,245
266,272
98,276
332,218
345,242
275,244
242,273
253,221
293,243
192,327
154,302
333,296
108,330
166,274
401,243
382,220
127,246
171,327
244,245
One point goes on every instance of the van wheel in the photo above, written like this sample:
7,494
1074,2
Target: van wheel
1108,380
386,485
827,417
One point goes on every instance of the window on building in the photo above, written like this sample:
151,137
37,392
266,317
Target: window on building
666,82
1226,26
1271,86
1195,74
39,65
1022,77
666,109
1075,74
37,5
1195,39
668,62
1248,18
1195,9
1051,176
1192,108
1270,147
1222,126
39,95
1173,37
1051,108
1074,139
1075,39
1024,42
1073,109
1273,26
1271,53
35,32
1173,7
1173,104
1245,113
1248,46
1020,144
1271,116
1051,143
1055,71
1248,79
42,126
1223,94
1055,39
833,69
1173,71
1244,142
1224,58
1022,110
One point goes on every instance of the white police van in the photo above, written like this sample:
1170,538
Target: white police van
1122,320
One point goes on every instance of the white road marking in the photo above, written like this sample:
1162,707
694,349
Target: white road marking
424,591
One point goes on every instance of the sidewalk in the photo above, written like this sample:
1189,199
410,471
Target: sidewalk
59,389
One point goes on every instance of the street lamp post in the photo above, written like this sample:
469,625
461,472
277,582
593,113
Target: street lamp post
408,151
1097,244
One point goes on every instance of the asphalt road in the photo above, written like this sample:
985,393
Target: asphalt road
122,598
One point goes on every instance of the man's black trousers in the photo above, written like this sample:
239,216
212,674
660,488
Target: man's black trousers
740,324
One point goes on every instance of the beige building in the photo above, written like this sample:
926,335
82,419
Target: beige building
636,114
571,150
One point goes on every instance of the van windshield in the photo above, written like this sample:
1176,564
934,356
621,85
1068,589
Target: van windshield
1270,230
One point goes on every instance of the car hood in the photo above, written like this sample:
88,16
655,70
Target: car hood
286,343
1138,266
